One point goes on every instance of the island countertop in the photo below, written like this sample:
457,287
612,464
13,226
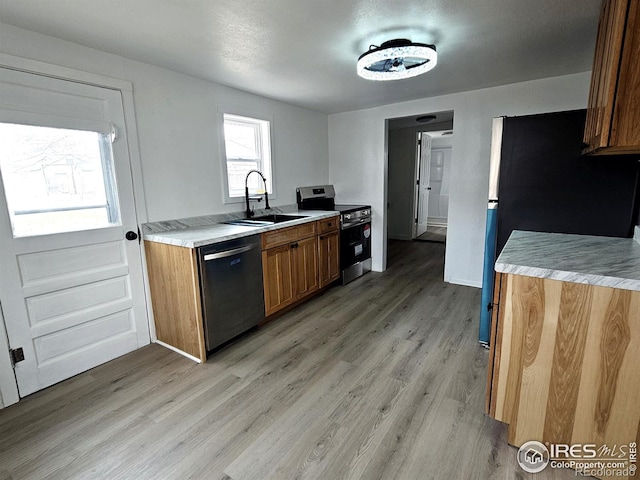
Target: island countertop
603,261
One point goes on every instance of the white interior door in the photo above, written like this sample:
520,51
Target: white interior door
423,184
71,288
439,183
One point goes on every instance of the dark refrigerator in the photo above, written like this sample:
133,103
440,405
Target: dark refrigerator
540,181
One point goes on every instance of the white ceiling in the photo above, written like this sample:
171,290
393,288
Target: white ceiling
304,52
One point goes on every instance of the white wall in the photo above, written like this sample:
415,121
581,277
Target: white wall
358,160
179,125
178,128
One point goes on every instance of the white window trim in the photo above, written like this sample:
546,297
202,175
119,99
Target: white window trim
223,157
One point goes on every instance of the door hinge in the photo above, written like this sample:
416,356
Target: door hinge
139,237
416,219
17,355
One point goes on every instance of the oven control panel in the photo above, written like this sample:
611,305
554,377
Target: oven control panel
357,217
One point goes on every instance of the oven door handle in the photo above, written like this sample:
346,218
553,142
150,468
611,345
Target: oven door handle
356,223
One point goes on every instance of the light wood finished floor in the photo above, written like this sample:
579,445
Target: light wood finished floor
379,379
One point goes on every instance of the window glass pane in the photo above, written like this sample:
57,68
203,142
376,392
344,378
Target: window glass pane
240,140
247,147
57,180
237,172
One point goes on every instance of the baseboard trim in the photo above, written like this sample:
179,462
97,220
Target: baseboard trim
436,224
464,282
177,350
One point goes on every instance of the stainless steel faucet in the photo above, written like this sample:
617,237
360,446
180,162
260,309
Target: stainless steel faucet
250,212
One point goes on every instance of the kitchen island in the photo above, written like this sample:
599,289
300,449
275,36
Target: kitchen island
602,261
565,340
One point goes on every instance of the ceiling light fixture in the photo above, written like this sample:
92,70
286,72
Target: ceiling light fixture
396,59
426,118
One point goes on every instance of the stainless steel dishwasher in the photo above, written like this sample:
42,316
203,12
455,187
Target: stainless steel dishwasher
231,288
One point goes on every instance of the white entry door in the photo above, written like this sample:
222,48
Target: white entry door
71,287
424,164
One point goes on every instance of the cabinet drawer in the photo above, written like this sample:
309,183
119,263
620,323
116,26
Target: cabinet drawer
287,235
328,224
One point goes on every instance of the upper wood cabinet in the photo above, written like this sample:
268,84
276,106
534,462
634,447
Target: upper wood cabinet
613,115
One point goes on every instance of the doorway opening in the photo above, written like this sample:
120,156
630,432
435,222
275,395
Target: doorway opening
419,155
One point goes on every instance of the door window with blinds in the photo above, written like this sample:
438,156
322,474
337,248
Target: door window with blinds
57,180
247,146
72,284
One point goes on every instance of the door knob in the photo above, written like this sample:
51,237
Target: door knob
131,235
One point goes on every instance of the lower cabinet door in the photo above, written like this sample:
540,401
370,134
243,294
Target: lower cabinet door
306,266
278,273
328,248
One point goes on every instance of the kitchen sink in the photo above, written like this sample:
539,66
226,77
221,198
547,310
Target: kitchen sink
264,220
277,218
247,223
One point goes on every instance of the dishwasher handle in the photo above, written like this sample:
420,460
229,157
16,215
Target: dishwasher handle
229,253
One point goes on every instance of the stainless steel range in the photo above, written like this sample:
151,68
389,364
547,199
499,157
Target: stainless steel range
355,228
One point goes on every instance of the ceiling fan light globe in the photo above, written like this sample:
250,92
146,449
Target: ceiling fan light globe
425,56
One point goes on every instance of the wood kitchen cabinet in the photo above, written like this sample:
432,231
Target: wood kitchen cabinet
613,115
278,275
329,251
289,265
175,294
297,261
305,260
563,362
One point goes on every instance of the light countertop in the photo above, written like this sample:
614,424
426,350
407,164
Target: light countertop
602,261
200,231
